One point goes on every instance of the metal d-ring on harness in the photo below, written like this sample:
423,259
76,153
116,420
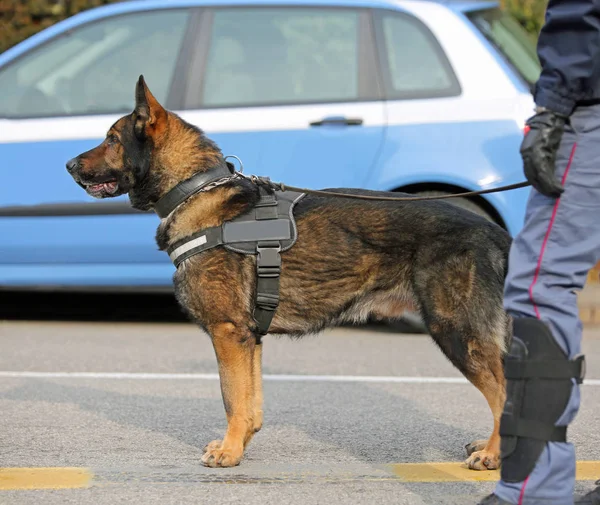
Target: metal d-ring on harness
266,231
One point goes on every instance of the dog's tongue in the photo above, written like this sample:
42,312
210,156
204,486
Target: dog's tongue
110,187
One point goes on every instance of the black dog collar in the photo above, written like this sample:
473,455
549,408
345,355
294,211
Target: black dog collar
182,191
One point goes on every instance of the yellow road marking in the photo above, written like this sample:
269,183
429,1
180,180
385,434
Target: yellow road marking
71,478
588,470
455,472
44,478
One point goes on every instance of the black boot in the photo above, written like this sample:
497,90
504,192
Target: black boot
591,498
492,499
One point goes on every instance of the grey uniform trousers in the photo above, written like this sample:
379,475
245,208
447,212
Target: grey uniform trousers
549,262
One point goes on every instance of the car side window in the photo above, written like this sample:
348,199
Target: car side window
94,68
415,64
269,56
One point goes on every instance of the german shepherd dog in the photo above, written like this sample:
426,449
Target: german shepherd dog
353,259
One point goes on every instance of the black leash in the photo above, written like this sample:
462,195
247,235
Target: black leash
284,187
266,181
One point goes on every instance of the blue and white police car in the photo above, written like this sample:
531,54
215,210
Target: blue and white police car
421,96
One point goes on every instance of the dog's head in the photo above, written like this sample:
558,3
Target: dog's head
144,154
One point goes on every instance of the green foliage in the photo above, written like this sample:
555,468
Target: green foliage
20,19
530,13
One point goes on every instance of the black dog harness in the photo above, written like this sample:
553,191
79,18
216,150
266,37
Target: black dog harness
265,231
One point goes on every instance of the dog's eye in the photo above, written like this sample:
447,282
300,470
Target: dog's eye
111,139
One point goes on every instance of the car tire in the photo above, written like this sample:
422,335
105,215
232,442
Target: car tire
411,322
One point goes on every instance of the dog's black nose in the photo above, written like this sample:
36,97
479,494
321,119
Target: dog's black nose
72,164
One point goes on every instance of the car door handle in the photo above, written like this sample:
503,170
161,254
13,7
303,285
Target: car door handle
339,121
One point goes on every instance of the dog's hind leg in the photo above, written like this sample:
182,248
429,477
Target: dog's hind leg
461,302
480,361
234,348
482,454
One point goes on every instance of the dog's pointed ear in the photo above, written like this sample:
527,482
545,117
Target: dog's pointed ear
150,116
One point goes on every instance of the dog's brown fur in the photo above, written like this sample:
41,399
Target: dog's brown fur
353,260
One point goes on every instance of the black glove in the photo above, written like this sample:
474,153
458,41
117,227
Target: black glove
538,151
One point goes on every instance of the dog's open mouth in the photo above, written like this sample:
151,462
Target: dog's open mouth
102,188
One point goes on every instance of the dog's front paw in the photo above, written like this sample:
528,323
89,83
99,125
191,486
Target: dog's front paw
218,455
483,460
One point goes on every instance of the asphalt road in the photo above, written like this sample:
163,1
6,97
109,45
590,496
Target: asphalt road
112,435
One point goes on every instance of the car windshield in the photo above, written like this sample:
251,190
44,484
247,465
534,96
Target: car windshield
511,39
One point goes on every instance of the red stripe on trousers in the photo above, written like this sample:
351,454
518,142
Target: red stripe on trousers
523,491
550,225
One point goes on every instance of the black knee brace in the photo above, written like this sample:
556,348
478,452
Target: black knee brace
538,387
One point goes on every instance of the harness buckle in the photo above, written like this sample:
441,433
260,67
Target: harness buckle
268,261
267,301
268,267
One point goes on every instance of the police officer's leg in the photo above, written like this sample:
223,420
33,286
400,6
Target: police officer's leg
549,262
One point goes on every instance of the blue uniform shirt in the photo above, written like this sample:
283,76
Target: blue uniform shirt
569,52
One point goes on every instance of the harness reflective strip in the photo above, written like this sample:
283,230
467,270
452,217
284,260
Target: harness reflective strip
197,243
186,247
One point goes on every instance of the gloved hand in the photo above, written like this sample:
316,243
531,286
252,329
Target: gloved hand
538,150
